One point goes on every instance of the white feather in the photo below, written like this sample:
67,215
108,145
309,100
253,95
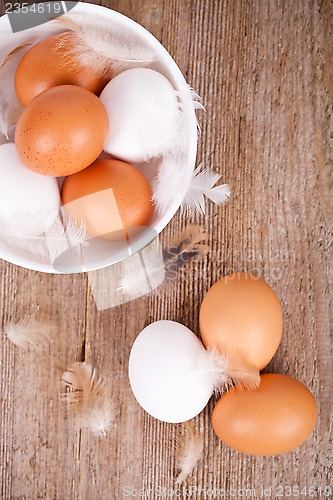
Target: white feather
103,46
30,333
59,238
228,368
10,106
196,102
87,399
202,184
172,172
151,269
166,184
175,144
143,271
196,99
134,279
190,452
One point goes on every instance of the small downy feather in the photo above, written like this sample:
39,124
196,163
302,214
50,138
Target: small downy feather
30,333
155,268
10,106
65,234
59,238
189,247
172,171
202,184
198,105
174,145
190,447
196,101
87,399
103,47
228,368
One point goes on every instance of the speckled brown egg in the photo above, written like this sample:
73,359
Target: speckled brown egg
50,63
275,418
109,197
62,131
242,314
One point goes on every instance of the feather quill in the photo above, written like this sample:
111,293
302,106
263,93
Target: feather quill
202,184
101,46
30,333
190,451
10,106
228,368
58,239
87,399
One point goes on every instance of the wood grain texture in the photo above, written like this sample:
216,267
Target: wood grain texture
264,71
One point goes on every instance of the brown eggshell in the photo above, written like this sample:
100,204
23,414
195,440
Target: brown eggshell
241,313
108,196
62,131
50,63
275,418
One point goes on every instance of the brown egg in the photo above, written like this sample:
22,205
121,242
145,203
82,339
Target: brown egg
108,196
62,131
241,313
50,63
275,418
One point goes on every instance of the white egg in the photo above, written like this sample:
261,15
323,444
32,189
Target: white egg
164,374
143,112
27,199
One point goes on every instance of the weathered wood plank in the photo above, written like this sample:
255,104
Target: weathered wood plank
264,70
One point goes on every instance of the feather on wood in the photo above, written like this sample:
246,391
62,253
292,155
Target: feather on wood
60,237
190,447
30,333
87,399
202,185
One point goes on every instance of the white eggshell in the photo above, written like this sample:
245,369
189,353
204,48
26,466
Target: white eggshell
27,199
164,374
143,112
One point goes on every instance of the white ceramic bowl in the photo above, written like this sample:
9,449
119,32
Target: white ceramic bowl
101,253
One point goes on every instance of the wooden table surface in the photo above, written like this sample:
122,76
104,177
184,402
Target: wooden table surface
264,71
